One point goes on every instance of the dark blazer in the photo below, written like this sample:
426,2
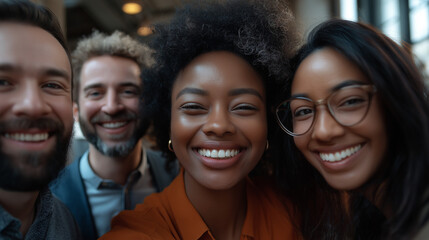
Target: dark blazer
70,189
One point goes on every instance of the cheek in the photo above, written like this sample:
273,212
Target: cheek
301,143
377,132
87,109
256,131
64,110
182,128
132,104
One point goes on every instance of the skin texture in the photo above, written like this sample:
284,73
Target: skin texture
110,88
35,99
35,85
218,102
315,77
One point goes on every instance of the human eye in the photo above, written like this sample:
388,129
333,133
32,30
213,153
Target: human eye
4,82
52,85
131,92
352,102
193,108
301,109
302,113
244,109
93,93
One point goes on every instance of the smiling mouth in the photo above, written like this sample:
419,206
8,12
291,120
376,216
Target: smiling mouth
218,153
113,125
338,156
27,137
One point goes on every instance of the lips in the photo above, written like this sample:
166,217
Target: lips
219,158
113,125
339,155
218,153
27,137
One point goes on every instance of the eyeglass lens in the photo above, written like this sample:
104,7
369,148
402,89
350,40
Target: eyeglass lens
347,105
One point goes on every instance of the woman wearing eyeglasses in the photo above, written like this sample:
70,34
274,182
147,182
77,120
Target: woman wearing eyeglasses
357,116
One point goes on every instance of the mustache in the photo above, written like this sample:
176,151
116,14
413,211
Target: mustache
123,116
23,123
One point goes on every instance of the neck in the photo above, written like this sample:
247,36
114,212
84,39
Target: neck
21,205
115,168
224,211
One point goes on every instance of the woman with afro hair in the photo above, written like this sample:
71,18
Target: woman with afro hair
218,68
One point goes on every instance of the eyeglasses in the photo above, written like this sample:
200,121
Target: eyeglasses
348,106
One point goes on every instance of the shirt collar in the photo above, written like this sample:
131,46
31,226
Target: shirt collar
89,176
40,225
188,219
7,221
187,216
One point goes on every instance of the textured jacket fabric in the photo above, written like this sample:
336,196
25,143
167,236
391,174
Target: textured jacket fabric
70,189
170,215
53,221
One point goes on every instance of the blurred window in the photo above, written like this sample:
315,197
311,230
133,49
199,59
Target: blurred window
403,21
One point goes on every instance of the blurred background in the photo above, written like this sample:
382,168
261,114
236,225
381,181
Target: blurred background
405,21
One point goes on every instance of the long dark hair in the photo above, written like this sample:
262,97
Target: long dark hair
403,97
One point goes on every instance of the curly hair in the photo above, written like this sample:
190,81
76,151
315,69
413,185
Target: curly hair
116,44
261,32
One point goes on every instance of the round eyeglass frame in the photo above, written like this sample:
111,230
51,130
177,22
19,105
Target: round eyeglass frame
370,88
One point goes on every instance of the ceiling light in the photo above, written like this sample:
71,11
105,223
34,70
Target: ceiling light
144,31
131,7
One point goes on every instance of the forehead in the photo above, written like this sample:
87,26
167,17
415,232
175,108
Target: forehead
110,70
31,48
218,69
323,69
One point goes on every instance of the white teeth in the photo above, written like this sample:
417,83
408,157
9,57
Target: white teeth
26,137
221,153
338,156
114,124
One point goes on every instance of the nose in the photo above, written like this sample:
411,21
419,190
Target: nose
325,126
31,101
218,123
112,103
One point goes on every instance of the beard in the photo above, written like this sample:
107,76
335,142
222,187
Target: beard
118,150
29,170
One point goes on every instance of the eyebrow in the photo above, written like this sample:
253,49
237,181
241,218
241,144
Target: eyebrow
7,67
240,91
56,73
334,88
47,71
346,84
100,85
191,91
233,92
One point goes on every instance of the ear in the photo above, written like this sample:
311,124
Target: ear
76,112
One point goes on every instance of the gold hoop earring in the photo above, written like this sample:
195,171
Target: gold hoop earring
267,146
170,146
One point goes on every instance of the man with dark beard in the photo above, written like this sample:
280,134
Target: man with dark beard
35,122
117,172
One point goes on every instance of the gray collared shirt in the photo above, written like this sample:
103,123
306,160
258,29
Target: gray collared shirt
53,221
108,198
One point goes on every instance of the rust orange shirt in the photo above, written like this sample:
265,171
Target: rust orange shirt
170,215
